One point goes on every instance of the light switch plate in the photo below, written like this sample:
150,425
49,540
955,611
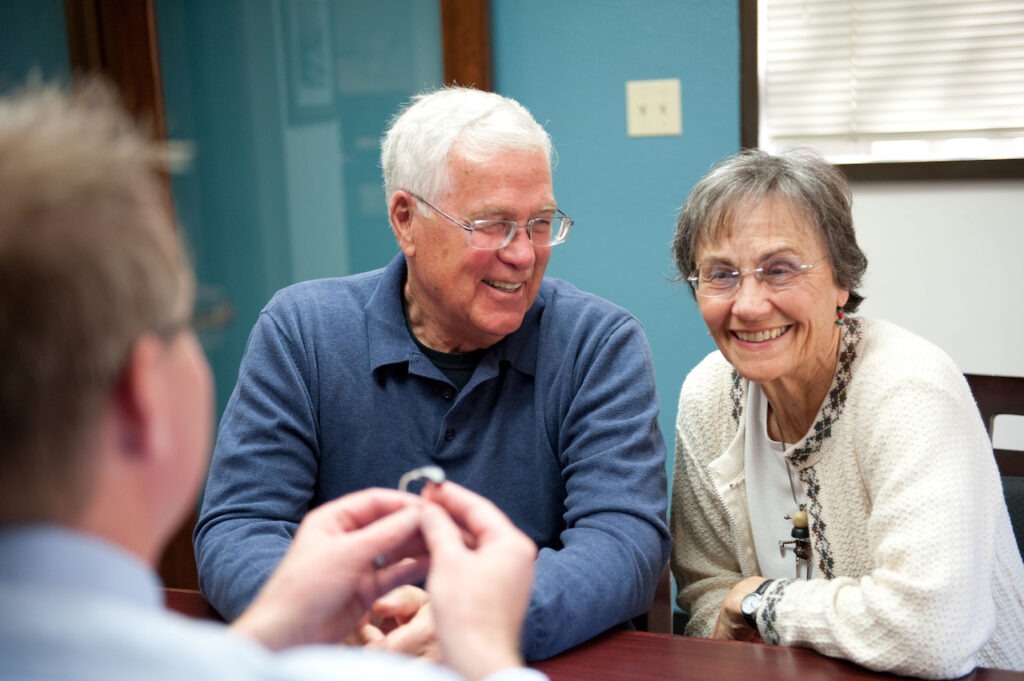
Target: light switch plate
654,108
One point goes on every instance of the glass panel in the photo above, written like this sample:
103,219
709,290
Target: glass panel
33,40
285,102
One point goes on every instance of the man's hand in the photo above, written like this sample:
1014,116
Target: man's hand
731,625
345,555
480,579
402,621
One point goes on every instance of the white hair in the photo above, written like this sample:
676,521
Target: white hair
477,125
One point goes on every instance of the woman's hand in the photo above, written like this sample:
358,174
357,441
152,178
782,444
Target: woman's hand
731,624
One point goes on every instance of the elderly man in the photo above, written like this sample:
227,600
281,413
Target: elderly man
459,353
107,419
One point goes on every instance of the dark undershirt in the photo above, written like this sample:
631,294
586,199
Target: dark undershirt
456,366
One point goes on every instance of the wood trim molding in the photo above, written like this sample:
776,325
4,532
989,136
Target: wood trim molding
466,43
117,38
84,49
992,169
749,95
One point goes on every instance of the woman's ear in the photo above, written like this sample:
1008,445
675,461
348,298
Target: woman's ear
400,212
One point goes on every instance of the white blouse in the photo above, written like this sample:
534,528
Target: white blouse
772,484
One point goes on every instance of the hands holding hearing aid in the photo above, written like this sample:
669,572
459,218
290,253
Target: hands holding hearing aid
350,552
401,620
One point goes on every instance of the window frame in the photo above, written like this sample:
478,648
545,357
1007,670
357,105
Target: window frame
991,169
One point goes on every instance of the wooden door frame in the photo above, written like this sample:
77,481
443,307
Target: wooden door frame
466,43
118,38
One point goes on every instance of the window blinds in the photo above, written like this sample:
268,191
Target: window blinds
892,80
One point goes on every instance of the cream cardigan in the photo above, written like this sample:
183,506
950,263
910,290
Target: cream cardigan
916,568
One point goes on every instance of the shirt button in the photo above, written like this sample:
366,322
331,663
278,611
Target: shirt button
447,393
449,435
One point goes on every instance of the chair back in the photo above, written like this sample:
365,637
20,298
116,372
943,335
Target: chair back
996,395
659,618
190,602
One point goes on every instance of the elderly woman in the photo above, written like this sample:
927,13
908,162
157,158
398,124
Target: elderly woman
834,484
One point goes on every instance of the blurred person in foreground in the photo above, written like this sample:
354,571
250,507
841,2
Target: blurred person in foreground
459,353
107,417
835,486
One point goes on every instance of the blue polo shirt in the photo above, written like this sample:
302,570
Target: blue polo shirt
557,426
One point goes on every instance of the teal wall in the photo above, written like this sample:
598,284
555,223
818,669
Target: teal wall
33,41
271,199
568,62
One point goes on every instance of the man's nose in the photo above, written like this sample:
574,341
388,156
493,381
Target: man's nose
520,249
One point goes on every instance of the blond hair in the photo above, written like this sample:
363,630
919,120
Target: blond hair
89,261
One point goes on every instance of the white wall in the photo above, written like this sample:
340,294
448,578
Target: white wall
946,260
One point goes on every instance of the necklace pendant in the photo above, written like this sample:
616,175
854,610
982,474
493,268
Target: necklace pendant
800,543
801,555
803,559
799,518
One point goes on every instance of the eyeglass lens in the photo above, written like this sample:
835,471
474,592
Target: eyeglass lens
490,235
716,279
494,234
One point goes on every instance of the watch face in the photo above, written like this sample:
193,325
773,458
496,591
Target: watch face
750,603
748,608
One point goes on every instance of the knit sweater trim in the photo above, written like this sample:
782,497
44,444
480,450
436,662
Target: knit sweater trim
805,453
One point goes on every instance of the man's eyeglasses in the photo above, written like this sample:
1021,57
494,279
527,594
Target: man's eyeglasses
491,235
719,280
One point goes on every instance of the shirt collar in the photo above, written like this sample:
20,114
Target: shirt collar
390,342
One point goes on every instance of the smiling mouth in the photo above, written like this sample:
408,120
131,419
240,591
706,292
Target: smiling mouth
761,336
504,285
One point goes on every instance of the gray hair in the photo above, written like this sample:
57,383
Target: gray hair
419,141
802,177
89,261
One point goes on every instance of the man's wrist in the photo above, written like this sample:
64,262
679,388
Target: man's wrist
490,665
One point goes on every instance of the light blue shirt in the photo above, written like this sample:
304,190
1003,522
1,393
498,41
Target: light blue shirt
73,607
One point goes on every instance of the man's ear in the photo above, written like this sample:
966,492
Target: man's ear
138,399
400,211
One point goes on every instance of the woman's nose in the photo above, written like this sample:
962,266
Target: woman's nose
751,297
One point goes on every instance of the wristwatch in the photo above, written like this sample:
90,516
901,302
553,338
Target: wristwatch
751,602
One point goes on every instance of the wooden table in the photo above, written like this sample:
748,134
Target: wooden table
636,655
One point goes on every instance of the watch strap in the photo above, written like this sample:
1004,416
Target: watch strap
751,617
